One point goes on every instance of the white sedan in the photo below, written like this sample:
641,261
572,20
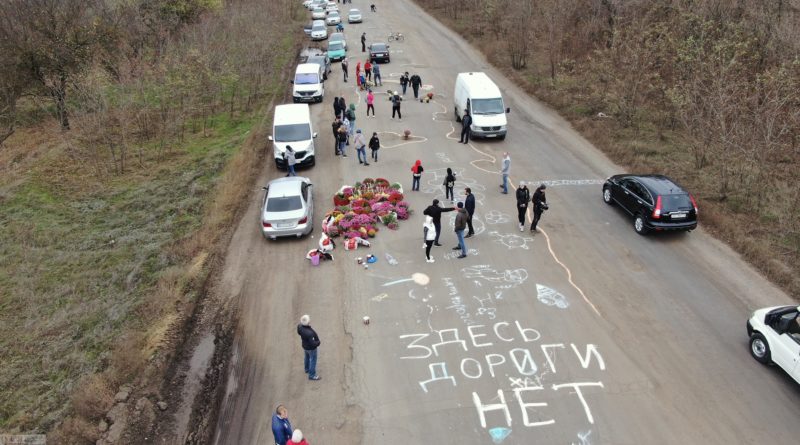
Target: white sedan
354,16
775,337
333,18
318,14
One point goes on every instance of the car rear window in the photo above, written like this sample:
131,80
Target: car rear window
284,204
676,202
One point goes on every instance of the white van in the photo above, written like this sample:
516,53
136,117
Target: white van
308,86
478,95
292,126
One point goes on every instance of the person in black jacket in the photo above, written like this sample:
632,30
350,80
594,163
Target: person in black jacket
374,145
523,197
335,126
404,82
363,42
337,109
310,342
416,81
469,206
435,212
449,183
466,121
539,205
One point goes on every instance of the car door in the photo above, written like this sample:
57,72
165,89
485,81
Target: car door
786,346
640,199
624,195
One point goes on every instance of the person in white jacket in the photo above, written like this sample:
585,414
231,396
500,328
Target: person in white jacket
429,235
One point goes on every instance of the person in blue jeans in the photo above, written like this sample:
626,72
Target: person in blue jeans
281,427
459,226
290,161
361,147
504,172
416,175
310,342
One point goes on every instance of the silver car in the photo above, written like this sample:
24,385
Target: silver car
354,16
288,208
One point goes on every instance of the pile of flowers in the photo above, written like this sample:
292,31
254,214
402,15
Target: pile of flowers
359,209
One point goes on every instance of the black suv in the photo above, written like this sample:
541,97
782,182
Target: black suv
656,202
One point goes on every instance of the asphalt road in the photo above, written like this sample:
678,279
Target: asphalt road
583,333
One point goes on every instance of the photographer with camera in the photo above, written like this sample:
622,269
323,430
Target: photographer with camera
539,205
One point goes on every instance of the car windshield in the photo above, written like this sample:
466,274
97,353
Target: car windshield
306,79
333,14
355,12
487,106
378,47
335,46
284,204
319,28
292,133
676,202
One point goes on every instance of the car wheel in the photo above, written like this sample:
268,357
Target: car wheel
607,196
759,348
638,225
501,137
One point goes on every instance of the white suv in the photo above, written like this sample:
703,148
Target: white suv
775,337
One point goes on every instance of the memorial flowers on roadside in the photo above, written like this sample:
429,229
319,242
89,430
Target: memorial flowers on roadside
359,209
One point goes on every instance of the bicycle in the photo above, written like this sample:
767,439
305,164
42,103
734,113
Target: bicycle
396,37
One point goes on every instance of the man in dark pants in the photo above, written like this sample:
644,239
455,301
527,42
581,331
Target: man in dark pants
363,42
335,126
344,68
310,342
435,212
466,121
416,81
469,206
539,205
523,197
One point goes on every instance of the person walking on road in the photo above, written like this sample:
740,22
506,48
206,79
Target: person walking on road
404,82
368,70
466,123
376,74
281,427
469,206
370,103
361,147
341,136
290,161
374,145
539,205
310,342
396,99
297,439
351,118
363,42
435,212
504,172
416,174
416,81
342,106
449,183
344,68
335,126
429,235
337,107
523,198
459,226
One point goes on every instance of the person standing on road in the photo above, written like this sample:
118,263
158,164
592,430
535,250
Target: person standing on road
469,205
341,136
281,427
370,103
504,172
351,117
290,161
310,342
523,198
335,126
416,174
337,107
460,224
368,70
449,183
429,235
396,99
297,439
363,42
376,74
374,145
344,68
416,81
435,212
342,106
358,73
539,205
404,82
466,123
361,147
347,129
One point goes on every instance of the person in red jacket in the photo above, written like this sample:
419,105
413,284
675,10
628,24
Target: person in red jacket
368,70
297,439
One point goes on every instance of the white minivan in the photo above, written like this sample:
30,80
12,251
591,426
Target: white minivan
292,126
481,98
308,83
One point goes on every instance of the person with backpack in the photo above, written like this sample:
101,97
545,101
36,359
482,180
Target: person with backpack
416,175
396,99
351,117
374,145
449,183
